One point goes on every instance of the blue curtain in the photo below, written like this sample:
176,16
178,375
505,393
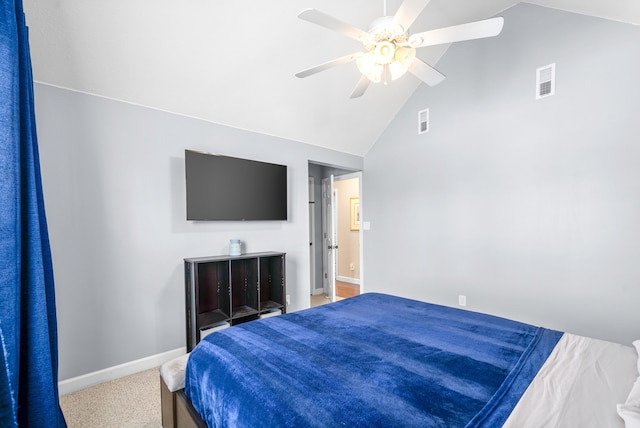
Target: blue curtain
28,336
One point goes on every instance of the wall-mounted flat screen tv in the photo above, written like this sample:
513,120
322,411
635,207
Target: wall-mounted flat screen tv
228,188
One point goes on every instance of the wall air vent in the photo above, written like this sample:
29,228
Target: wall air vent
423,121
546,81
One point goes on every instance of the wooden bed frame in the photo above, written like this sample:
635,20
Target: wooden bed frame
177,410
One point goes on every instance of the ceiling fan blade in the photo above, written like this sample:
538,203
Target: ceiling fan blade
322,19
457,33
425,72
361,87
408,11
318,68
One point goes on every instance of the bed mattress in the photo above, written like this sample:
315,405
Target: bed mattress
371,360
580,385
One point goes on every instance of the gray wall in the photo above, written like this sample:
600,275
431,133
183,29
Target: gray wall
113,178
529,208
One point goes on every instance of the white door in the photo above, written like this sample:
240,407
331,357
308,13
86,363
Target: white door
330,237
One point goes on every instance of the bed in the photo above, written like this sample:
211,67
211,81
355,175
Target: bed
377,360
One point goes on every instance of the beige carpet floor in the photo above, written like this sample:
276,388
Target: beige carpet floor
322,299
130,402
319,299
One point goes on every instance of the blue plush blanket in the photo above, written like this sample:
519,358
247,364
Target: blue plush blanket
370,361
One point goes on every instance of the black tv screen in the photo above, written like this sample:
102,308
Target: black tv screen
227,188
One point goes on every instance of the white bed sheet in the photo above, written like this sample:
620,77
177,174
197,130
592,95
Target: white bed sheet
579,385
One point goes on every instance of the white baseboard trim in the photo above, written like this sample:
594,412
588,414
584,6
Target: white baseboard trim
74,384
349,280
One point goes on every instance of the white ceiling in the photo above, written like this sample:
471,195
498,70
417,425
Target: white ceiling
233,62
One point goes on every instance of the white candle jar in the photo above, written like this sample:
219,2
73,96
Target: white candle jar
234,247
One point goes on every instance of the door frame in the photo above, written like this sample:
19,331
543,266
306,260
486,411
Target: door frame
312,234
329,237
325,234
350,176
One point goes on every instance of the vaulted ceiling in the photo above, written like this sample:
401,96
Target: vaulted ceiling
233,62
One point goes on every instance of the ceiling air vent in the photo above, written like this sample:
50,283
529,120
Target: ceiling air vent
546,81
423,121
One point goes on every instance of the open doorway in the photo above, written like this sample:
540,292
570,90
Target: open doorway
335,243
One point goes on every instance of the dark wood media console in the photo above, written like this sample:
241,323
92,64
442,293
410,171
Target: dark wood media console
231,289
223,291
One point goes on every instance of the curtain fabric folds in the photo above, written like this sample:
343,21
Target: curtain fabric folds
28,336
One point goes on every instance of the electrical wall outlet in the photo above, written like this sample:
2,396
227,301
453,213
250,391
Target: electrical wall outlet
288,299
462,300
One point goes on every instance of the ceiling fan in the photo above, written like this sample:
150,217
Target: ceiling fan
390,51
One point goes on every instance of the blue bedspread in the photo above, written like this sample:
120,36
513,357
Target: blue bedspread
369,361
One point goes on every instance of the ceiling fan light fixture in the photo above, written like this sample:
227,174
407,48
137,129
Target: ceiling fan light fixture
384,52
401,61
396,70
369,67
373,64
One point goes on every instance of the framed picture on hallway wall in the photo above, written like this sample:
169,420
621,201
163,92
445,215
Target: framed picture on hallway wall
355,213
